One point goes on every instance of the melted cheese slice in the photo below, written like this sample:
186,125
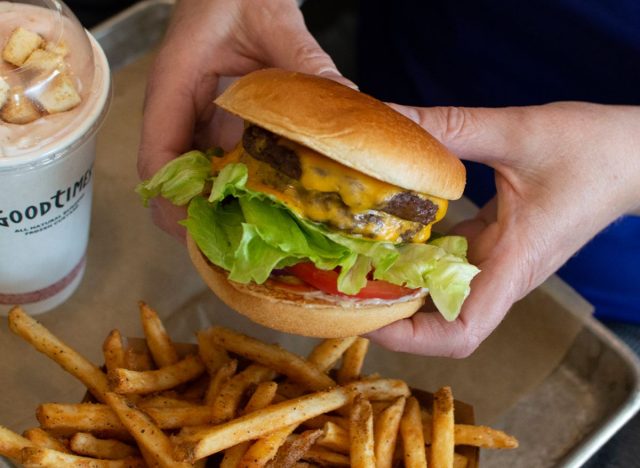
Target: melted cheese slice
321,175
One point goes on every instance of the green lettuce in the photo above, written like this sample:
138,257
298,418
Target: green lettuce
250,234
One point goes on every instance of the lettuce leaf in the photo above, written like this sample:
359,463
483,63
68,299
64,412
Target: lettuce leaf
250,234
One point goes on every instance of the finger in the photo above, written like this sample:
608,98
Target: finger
169,116
429,334
490,136
296,49
167,217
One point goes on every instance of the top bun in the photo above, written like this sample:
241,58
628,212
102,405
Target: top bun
347,126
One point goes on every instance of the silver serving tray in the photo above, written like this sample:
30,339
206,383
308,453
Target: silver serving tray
562,422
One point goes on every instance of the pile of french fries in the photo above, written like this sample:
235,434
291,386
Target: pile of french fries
234,401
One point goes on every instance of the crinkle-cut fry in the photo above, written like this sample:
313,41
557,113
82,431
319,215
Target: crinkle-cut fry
412,435
386,427
113,350
335,438
353,361
262,396
43,439
324,457
155,446
219,380
69,359
266,448
230,395
362,449
11,444
88,445
125,381
160,345
294,449
37,457
483,437
282,361
259,423
329,351
442,437
213,356
379,389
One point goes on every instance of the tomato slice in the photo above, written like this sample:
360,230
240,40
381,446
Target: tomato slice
327,282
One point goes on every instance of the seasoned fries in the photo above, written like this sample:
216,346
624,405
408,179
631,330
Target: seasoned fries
70,360
247,403
442,441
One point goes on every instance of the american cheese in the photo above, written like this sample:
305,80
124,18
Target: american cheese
359,192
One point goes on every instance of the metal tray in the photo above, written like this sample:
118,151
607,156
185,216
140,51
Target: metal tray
561,422
593,392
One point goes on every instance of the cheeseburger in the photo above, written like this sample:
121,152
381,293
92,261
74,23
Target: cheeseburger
319,222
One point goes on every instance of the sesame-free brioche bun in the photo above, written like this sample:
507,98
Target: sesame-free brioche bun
347,126
296,313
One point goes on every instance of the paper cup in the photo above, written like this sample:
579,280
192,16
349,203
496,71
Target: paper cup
45,207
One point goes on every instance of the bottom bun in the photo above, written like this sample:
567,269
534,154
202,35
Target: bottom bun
300,314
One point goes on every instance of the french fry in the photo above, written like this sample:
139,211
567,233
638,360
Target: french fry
125,381
262,397
282,361
335,438
196,389
460,461
319,421
412,435
326,457
36,457
385,433
178,417
69,359
43,439
138,359
219,380
352,361
11,444
328,352
380,389
163,401
88,445
259,423
162,349
362,450
214,357
114,355
294,449
483,436
154,444
265,448
442,437
228,400
100,420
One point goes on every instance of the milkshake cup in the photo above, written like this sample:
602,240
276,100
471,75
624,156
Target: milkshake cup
55,88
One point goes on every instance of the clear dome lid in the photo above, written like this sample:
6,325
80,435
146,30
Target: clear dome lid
46,70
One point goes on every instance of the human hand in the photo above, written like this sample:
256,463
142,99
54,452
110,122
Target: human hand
207,41
564,171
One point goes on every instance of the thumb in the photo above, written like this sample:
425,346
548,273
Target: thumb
487,135
296,49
